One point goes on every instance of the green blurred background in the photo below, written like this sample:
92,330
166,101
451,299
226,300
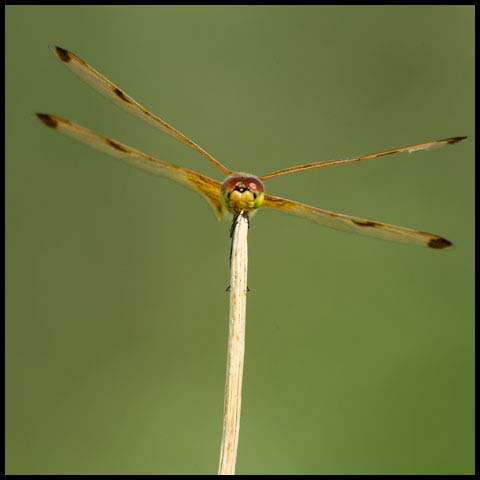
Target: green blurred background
359,355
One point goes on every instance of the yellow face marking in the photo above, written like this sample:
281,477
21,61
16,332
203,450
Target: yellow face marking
239,201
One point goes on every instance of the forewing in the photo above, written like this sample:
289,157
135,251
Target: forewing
410,149
107,88
207,187
362,226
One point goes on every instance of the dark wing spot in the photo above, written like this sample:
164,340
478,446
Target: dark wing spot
366,223
63,55
452,140
117,146
48,120
439,242
120,95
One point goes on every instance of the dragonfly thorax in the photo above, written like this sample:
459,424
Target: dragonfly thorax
242,192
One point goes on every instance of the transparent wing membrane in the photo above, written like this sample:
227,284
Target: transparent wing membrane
358,225
207,187
107,88
409,149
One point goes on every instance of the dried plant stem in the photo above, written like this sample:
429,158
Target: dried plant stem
236,346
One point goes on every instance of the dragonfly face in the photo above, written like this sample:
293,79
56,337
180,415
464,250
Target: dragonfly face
242,192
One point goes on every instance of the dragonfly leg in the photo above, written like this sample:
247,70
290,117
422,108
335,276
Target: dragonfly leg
232,232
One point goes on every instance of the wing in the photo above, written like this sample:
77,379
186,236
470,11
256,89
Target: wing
207,187
121,98
355,224
409,149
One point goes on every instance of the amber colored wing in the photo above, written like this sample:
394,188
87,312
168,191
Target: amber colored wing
121,98
356,225
409,149
207,187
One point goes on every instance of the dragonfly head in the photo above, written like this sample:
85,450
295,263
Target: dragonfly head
242,192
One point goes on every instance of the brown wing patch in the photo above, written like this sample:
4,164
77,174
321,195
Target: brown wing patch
366,223
62,54
116,145
47,119
439,242
120,94
453,140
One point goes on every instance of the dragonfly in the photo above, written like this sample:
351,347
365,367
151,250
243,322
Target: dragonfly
240,193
